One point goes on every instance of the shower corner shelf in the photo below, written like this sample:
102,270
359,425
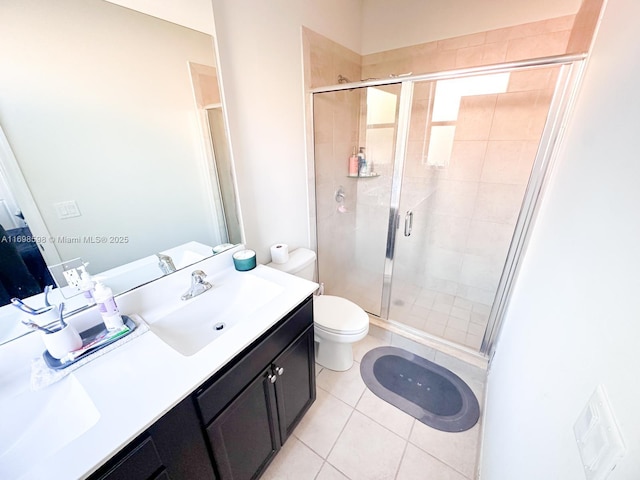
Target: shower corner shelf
373,175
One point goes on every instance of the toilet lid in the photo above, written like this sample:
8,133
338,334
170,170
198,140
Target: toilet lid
339,315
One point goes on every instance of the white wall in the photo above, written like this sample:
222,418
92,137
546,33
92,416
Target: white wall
260,49
196,14
573,322
386,25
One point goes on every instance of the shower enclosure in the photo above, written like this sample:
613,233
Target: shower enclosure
429,236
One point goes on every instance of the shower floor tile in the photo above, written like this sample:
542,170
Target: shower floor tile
443,315
453,317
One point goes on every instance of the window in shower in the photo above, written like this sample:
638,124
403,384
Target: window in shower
444,111
382,106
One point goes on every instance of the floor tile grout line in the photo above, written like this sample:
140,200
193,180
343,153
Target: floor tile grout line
384,426
439,459
337,438
404,451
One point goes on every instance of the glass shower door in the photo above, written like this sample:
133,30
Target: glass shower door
352,210
472,142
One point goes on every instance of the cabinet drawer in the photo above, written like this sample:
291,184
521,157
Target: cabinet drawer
139,464
231,381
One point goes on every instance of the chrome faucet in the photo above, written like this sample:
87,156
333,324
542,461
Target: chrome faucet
198,285
165,263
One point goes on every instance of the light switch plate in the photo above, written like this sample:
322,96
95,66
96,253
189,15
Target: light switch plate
598,436
68,209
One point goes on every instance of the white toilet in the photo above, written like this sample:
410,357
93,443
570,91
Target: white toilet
338,323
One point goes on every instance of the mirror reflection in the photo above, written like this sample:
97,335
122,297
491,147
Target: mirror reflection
112,128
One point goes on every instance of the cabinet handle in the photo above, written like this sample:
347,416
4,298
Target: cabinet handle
272,378
279,370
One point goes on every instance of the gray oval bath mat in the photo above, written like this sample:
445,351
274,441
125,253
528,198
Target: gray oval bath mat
426,391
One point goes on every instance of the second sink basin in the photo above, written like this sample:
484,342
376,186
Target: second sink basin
199,321
63,411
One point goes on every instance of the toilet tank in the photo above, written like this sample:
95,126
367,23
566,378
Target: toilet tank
302,263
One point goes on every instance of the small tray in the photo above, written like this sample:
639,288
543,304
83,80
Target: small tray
89,336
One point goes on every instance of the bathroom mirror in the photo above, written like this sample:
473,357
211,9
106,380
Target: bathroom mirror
106,116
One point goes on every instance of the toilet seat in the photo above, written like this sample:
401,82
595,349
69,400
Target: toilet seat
339,316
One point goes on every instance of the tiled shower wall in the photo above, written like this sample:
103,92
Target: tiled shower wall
335,132
465,212
468,208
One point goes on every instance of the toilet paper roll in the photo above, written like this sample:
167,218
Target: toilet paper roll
280,253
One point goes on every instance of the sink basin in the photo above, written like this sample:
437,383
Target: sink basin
203,319
63,411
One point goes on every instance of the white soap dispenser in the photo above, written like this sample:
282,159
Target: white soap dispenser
107,307
87,285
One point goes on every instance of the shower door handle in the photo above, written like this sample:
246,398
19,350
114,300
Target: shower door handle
408,223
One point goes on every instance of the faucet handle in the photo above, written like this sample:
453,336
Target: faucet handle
198,276
165,263
198,285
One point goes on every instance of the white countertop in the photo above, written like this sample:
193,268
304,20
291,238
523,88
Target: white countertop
133,385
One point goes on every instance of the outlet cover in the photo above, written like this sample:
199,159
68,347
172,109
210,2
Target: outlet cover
599,439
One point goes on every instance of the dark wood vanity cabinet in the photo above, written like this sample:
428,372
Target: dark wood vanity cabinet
172,448
231,427
245,437
246,433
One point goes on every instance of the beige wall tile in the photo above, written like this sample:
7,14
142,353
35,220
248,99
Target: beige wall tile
508,161
519,115
467,158
495,52
439,60
489,239
584,26
455,198
498,202
326,59
475,117
463,41
469,56
540,78
547,44
500,35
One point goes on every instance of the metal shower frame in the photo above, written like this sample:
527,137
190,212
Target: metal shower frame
571,69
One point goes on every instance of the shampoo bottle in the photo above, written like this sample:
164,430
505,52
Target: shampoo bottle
107,307
353,164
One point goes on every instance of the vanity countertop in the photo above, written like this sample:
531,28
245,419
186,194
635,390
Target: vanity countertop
133,385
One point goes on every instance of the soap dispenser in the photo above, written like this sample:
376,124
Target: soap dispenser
107,307
87,285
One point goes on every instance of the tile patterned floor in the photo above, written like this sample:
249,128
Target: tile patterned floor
351,434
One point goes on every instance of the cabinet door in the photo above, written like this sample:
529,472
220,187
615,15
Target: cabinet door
296,382
139,461
173,448
243,437
181,444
